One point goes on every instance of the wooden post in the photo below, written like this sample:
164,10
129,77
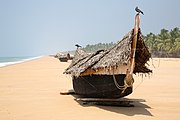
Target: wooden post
129,75
136,29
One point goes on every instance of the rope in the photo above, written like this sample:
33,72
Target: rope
117,85
120,87
152,62
157,63
139,84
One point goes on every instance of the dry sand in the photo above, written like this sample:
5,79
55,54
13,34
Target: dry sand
30,91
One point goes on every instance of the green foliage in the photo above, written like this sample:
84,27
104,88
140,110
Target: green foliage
99,46
164,44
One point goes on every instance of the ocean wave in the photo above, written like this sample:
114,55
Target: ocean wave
21,60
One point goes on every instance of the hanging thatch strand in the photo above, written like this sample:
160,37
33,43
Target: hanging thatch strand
118,55
142,56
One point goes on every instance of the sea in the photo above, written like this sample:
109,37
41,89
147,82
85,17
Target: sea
6,61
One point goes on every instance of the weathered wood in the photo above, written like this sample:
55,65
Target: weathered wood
102,99
129,76
106,102
69,92
100,86
63,59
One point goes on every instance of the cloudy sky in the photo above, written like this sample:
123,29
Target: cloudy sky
42,27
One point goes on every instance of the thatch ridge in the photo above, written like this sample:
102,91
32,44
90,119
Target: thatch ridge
79,56
119,54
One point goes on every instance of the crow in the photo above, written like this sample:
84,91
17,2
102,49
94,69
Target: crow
77,45
138,10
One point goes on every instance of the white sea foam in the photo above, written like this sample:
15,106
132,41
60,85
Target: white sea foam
3,64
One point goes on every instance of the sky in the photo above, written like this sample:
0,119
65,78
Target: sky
43,27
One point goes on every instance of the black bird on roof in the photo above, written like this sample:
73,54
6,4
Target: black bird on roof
78,46
138,10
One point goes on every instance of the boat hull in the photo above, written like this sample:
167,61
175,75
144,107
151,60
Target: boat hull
100,86
63,59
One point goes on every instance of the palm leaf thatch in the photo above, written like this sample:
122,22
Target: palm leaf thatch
120,54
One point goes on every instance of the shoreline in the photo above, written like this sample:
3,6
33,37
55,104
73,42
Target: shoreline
5,64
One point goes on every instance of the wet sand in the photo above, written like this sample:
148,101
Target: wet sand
30,91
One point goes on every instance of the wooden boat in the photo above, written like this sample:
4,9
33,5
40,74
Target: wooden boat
63,57
109,73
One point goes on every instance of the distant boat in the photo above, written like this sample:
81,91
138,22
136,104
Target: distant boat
64,57
109,73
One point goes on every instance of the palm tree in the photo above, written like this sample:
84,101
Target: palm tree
164,40
175,36
150,40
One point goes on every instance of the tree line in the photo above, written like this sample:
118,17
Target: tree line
164,44
99,46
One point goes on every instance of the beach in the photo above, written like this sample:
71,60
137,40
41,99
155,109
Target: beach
30,91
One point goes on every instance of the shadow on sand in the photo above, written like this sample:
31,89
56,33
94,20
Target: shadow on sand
138,109
137,106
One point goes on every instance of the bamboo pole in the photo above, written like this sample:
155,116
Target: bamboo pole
129,75
136,29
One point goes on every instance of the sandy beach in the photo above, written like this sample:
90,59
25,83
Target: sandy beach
30,91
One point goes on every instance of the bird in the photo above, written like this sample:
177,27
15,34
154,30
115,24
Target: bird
78,46
138,10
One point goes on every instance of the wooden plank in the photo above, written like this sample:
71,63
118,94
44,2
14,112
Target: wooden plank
121,102
100,99
69,92
109,99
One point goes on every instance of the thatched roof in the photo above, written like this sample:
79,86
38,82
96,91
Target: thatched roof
119,54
